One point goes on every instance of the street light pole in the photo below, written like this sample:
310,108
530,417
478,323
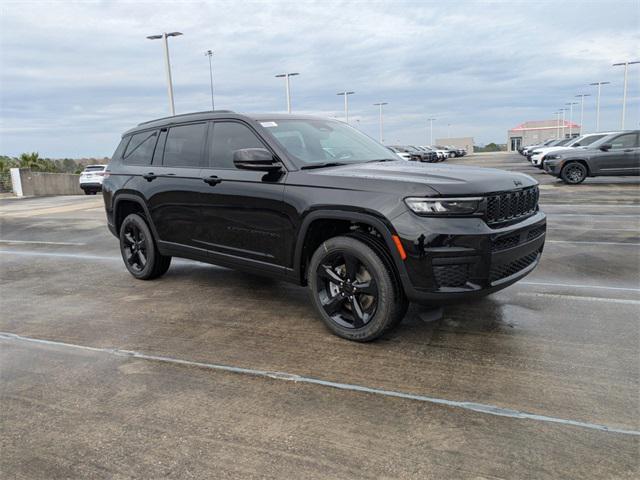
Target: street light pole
562,110
582,95
380,105
346,103
557,114
431,120
571,104
167,64
624,88
209,53
599,84
287,87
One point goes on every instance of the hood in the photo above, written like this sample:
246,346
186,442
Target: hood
415,177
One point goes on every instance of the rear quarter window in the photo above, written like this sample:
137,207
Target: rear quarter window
140,149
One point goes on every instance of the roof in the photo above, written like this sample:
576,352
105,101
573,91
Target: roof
214,114
544,124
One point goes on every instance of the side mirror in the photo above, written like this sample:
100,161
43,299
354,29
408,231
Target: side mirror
605,146
257,159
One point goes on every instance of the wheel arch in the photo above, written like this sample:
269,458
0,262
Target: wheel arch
581,161
307,242
127,203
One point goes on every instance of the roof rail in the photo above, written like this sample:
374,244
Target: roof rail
185,114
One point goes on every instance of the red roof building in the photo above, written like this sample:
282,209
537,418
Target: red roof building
537,131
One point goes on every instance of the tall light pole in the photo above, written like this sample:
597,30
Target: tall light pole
624,88
209,53
571,104
431,120
562,110
599,84
346,103
582,95
557,114
287,87
380,105
167,64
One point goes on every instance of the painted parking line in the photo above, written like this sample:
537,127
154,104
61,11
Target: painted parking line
36,242
627,244
591,215
292,377
571,205
112,258
574,285
577,297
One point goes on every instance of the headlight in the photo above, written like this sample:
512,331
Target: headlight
443,206
552,156
535,152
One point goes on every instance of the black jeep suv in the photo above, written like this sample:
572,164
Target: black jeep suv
315,202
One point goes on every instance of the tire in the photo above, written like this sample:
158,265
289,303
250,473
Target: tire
87,192
139,251
573,173
353,289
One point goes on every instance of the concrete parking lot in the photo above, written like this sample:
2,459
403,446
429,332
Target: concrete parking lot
211,373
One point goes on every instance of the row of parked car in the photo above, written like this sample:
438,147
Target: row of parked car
590,155
427,153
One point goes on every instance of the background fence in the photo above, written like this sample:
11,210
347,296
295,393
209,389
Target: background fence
5,182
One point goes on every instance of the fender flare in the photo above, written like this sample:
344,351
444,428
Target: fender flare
381,225
140,201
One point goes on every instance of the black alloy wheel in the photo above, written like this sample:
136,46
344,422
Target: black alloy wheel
347,291
135,247
139,251
573,173
354,288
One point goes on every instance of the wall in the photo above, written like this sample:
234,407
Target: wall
460,142
27,183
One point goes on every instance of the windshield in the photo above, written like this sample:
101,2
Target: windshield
318,141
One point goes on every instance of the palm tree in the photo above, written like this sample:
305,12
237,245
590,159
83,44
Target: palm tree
32,161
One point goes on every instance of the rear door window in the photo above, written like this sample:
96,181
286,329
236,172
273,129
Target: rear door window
140,148
184,146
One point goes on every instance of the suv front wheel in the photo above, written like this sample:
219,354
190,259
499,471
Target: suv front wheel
573,173
353,290
139,251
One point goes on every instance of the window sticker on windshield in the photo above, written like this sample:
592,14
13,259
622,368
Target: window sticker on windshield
268,124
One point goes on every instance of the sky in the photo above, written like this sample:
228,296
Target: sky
75,75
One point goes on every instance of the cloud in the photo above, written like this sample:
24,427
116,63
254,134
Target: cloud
74,75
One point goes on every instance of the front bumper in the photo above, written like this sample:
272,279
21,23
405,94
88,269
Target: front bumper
552,168
450,259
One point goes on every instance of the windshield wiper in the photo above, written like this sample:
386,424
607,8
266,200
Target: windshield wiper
383,160
323,165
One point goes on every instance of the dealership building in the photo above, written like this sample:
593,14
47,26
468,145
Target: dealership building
537,131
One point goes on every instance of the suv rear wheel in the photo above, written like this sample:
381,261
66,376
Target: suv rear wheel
353,290
139,251
573,173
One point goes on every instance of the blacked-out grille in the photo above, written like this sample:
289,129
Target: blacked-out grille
451,275
536,232
505,270
508,206
503,243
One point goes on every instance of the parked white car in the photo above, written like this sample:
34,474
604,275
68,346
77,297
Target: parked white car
91,179
537,156
442,154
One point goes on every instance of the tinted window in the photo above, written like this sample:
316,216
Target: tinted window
95,168
587,140
229,137
183,147
627,140
140,148
117,155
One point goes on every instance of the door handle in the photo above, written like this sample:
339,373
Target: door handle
149,176
212,180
